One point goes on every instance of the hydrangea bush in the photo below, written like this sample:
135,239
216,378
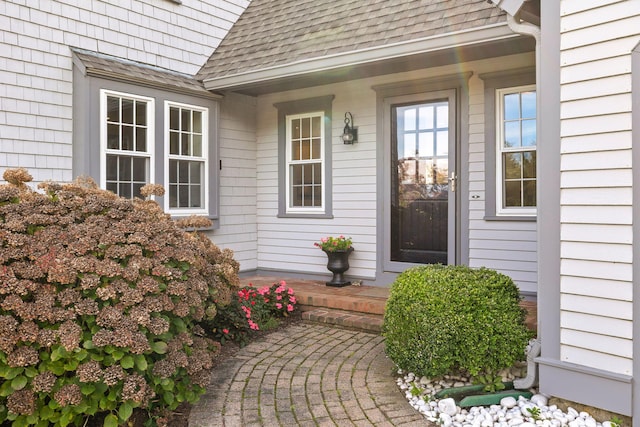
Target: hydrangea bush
99,303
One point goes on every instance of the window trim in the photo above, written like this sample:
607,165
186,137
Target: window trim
104,151
501,210
204,210
309,105
289,161
492,81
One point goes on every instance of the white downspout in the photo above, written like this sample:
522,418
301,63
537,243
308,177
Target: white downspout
528,29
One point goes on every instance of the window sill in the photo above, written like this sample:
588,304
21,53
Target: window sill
304,215
531,218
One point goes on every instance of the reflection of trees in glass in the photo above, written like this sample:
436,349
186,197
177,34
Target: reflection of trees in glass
420,179
520,179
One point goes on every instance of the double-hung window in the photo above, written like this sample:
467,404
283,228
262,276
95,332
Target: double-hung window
127,136
305,163
516,151
186,148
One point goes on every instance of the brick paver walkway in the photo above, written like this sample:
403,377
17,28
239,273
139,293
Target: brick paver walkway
306,375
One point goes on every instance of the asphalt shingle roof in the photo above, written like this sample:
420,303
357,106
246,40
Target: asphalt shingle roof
277,32
110,66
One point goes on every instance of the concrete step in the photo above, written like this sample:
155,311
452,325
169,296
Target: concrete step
346,319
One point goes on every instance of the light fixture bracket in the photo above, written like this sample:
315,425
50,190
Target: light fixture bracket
350,133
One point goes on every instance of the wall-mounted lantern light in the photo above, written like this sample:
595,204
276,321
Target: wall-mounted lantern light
350,133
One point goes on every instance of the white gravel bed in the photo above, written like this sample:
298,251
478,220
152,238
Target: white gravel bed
511,412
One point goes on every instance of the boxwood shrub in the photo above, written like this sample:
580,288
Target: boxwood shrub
454,319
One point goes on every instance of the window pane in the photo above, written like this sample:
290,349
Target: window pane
442,112
113,109
183,196
296,174
183,172
528,105
141,113
529,166
307,174
174,118
512,106
136,190
306,127
410,145
425,148
197,145
195,197
113,137
512,134
317,195
124,190
124,168
127,111
529,196
442,143
197,121
512,165
295,129
315,150
410,119
425,117
141,139
140,169
296,196
174,145
127,138
528,133
186,120
317,174
112,168
173,171
185,148
315,126
306,149
295,150
195,172
173,196
113,187
512,194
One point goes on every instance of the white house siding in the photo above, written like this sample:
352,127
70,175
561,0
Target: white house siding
506,246
287,243
35,62
596,202
237,138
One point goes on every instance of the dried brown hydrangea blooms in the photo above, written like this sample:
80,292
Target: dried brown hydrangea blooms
86,273
17,177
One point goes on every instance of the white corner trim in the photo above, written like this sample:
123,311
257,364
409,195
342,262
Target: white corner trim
396,50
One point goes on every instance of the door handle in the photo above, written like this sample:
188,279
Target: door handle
452,182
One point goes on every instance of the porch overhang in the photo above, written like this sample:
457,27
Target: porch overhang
456,47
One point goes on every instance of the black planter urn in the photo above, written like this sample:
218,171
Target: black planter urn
338,263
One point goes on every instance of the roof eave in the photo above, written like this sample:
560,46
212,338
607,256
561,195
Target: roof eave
441,42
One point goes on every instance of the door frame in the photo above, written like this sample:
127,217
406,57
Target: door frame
455,89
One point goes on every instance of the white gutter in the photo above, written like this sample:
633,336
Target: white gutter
380,53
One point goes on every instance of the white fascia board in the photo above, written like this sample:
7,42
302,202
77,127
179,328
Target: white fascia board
364,56
510,6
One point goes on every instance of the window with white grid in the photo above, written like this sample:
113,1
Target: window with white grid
127,142
186,167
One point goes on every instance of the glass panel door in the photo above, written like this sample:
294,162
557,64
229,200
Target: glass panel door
420,143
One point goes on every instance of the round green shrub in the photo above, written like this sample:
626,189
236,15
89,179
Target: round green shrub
99,305
449,319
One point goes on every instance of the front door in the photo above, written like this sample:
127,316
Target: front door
422,198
